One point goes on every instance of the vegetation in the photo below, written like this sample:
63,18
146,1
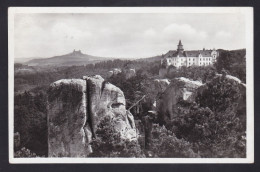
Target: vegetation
24,153
30,120
234,62
200,73
212,126
109,144
166,145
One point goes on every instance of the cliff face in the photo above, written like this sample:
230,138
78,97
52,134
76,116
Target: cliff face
76,107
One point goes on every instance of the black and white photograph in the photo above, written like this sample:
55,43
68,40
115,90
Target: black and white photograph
131,85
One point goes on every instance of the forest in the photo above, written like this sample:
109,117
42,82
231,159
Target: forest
208,127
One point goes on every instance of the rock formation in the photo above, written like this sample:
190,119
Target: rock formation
160,85
162,72
178,88
183,88
115,71
129,73
76,107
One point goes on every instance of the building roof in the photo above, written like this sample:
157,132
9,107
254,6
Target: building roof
206,53
191,53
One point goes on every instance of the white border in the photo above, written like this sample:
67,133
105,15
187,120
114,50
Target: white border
246,11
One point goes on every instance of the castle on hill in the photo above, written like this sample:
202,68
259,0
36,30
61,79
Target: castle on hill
180,57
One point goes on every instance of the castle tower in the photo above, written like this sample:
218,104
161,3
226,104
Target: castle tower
180,47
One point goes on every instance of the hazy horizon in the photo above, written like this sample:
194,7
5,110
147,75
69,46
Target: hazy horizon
43,35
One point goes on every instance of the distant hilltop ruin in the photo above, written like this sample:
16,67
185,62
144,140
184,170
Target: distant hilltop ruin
76,52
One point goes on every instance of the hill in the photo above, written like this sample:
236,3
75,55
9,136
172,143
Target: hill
151,59
72,59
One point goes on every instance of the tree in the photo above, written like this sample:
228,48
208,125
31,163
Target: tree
219,94
30,120
165,144
212,124
108,143
234,62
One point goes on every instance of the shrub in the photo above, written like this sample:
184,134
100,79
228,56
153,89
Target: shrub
220,94
166,144
108,143
212,134
25,153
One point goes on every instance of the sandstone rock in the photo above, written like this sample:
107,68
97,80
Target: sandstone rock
76,107
110,73
162,72
188,90
115,71
179,88
129,73
67,118
161,84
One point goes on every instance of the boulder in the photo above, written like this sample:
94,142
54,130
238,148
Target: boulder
76,107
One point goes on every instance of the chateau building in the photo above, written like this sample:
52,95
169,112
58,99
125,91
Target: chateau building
180,57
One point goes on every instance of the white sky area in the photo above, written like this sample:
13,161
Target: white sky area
124,35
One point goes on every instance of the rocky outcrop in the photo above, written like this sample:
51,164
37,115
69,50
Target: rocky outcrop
129,73
185,89
163,72
160,85
115,71
67,118
76,107
179,88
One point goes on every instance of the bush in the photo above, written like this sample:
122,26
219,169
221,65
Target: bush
30,120
220,94
234,62
108,143
25,153
212,134
166,145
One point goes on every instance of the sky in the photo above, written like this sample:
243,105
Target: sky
129,35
